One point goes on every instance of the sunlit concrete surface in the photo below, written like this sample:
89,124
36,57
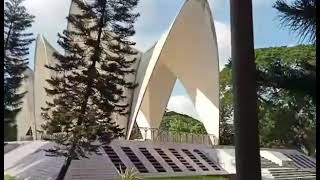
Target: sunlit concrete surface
28,161
25,118
43,56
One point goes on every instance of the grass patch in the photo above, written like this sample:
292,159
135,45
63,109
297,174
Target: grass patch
8,177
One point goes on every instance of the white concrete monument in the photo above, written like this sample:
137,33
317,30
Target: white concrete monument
25,118
187,51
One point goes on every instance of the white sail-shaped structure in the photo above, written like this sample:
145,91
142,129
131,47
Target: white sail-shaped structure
187,51
43,56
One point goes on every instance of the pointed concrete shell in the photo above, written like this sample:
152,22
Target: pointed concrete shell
25,118
43,56
73,10
188,51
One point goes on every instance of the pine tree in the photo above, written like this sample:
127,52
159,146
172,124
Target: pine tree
16,42
299,16
89,82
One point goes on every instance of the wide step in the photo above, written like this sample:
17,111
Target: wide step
291,173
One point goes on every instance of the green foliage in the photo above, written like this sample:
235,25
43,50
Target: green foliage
299,17
288,120
226,108
286,110
129,174
89,79
290,68
16,42
173,121
176,122
295,55
88,86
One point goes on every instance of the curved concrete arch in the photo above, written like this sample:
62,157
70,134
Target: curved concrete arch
156,97
188,51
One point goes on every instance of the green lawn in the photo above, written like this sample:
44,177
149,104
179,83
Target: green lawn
191,178
7,177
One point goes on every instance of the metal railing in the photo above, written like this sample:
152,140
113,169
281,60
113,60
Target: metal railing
159,135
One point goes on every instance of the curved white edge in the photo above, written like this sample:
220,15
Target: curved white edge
156,96
145,70
141,88
43,56
143,81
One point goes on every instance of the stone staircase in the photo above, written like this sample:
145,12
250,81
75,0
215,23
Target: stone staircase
289,173
271,170
265,163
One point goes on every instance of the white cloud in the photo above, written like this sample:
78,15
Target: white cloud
218,4
148,13
224,42
182,104
144,25
144,42
50,18
292,45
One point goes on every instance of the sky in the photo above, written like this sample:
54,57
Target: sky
155,18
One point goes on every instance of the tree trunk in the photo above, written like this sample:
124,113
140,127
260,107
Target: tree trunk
91,68
8,35
244,89
67,163
64,169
